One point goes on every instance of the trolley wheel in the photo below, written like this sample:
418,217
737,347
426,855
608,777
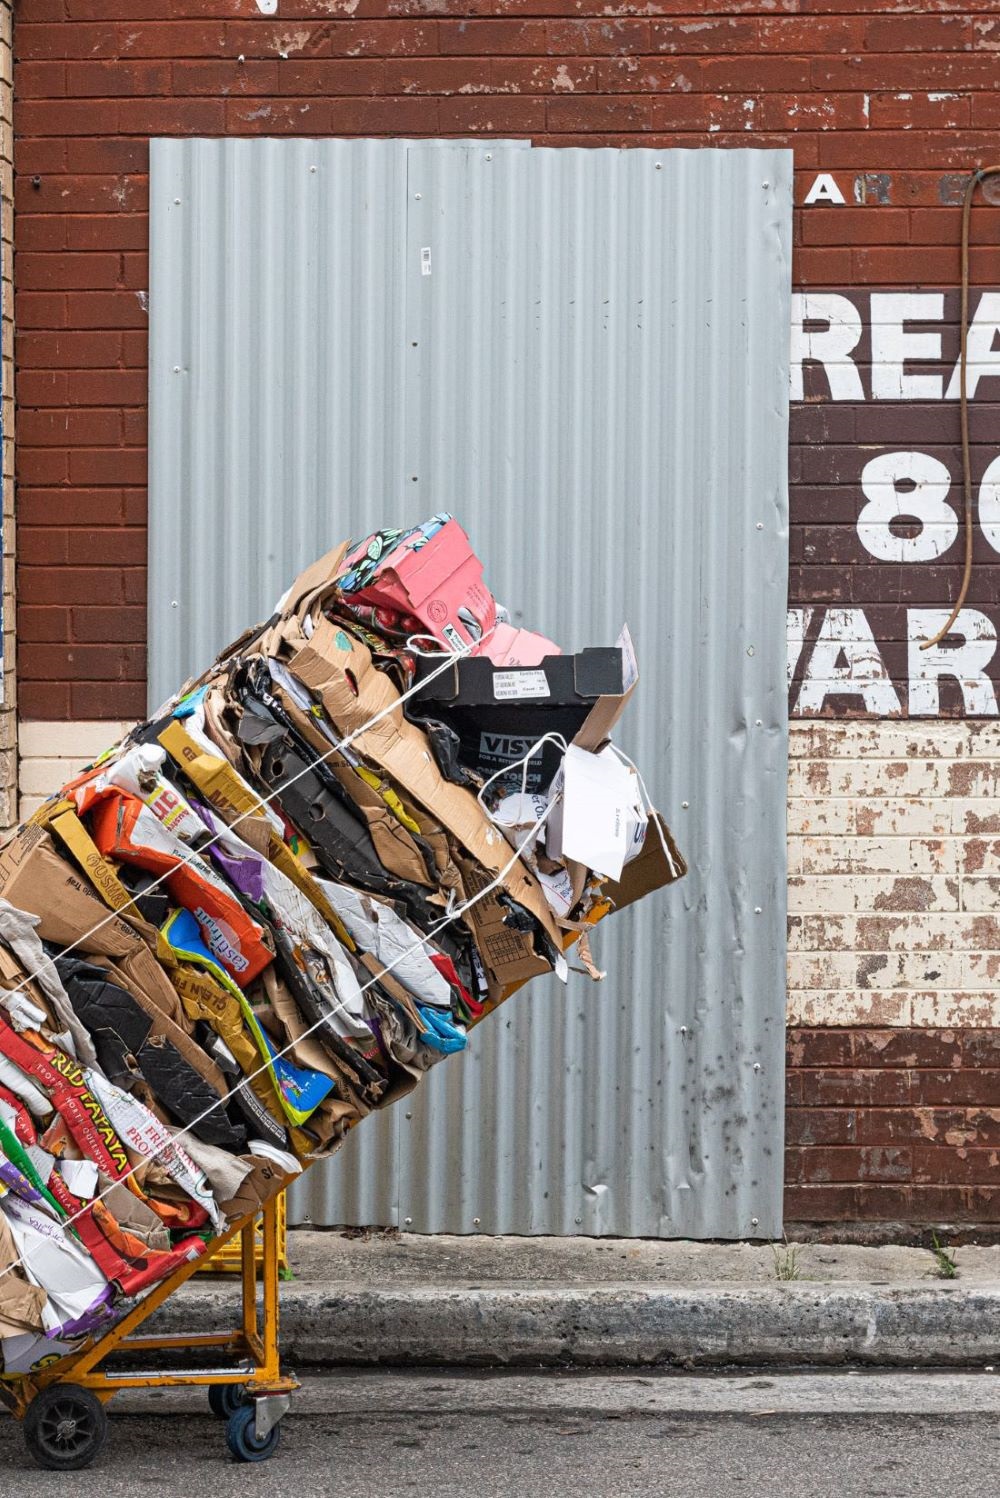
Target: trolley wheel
225,1399
65,1427
243,1440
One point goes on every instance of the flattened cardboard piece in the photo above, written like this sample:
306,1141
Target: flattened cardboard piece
215,1006
316,579
71,831
606,711
141,963
239,807
165,1028
508,955
20,1301
394,845
35,878
135,1216
262,1182
339,670
651,870
303,1048
125,1022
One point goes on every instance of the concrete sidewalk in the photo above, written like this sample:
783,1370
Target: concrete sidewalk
466,1302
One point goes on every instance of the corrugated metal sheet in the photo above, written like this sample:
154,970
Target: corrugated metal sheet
594,378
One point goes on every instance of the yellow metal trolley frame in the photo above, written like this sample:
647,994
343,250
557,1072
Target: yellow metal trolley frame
62,1406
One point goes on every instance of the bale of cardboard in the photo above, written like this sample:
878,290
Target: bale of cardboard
274,905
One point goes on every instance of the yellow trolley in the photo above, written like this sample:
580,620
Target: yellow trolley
62,1407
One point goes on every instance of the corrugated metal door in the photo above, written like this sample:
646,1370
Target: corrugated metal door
584,355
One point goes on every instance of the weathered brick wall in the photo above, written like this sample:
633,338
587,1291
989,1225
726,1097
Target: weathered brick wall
898,1125
894,956
885,112
8,700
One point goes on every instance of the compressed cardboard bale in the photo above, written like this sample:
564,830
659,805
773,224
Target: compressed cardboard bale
275,905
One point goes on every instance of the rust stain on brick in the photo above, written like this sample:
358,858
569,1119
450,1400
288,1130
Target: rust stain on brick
868,967
906,894
865,821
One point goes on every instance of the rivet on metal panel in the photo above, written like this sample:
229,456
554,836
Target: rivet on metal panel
760,525
417,196
475,1222
312,168
685,805
659,166
765,183
177,369
757,1066
750,650
684,1029
758,722
408,1115
174,604
757,910
407,1221
754,1221
177,201
413,478
578,1220
489,155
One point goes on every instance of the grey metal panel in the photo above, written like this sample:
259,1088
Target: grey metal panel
593,377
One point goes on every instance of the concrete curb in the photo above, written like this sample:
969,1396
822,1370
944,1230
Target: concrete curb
640,1325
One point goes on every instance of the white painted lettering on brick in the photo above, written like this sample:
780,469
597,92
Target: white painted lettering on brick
983,357
798,623
845,661
989,504
831,345
924,497
892,345
964,662
824,190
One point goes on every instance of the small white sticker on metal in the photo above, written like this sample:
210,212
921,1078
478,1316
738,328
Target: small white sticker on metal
507,684
425,260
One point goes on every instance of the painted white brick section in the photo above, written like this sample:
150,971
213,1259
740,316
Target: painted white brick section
51,753
894,874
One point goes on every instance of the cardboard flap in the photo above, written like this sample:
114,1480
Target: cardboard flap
652,869
316,578
603,716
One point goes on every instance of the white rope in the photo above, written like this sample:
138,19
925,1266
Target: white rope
495,883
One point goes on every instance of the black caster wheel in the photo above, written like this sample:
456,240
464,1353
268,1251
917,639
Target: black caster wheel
65,1427
225,1399
243,1440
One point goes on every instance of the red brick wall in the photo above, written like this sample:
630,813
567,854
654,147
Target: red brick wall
909,98
897,1125
897,107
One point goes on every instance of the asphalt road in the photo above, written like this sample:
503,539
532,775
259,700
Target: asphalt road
353,1435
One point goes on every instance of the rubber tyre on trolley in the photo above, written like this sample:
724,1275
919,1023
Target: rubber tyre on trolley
242,1438
65,1428
225,1399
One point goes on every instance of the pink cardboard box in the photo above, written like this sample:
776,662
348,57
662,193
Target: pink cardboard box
439,581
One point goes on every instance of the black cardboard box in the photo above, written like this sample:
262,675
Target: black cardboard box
498,712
